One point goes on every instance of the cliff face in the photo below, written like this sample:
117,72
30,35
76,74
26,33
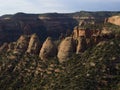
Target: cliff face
114,20
43,25
80,41
50,24
11,29
57,24
85,32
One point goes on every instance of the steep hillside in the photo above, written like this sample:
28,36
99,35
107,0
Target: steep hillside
96,69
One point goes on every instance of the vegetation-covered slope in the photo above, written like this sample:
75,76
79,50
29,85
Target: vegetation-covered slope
96,69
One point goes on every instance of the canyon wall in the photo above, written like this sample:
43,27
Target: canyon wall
49,24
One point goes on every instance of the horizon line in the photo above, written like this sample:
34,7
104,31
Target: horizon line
61,12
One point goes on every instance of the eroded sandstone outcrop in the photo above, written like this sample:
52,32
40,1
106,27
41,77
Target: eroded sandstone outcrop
82,45
48,49
80,31
114,20
34,45
21,44
66,49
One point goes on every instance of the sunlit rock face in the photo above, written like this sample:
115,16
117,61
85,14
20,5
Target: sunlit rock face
48,49
66,49
84,32
114,20
21,44
78,32
34,45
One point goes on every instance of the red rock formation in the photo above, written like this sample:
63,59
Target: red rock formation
80,32
88,33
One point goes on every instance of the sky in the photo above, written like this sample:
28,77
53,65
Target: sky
60,6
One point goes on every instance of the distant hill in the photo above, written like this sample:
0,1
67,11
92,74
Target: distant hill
49,24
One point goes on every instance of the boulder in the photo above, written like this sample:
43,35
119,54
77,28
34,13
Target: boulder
34,45
48,49
66,49
82,45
